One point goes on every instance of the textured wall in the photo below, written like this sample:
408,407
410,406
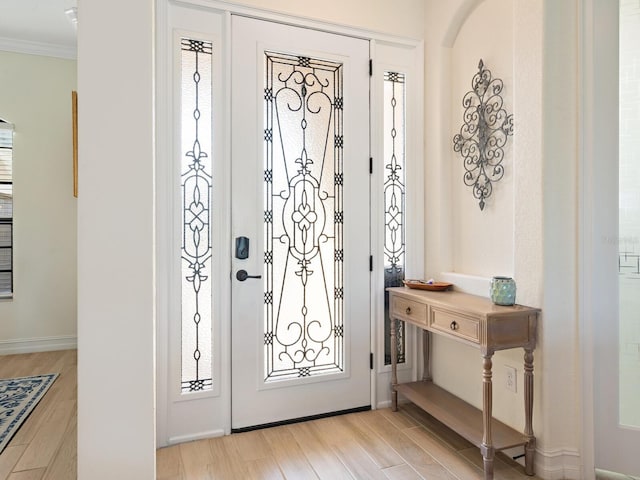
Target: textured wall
400,17
529,227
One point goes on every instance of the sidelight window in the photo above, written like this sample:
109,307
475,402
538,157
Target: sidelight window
394,200
196,189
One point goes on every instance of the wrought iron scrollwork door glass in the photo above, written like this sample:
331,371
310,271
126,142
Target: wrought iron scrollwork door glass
303,217
196,172
394,201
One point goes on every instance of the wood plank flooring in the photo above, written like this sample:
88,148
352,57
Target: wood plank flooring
380,445
44,448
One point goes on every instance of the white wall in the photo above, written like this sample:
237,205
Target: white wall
482,239
36,97
116,326
116,284
400,17
115,232
460,237
528,228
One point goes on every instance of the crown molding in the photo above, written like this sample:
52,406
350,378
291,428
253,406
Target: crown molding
37,48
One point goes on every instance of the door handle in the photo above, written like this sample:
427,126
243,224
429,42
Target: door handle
242,275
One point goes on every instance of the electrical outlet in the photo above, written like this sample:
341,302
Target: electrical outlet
511,380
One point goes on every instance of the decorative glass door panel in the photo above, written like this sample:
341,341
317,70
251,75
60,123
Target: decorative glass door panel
300,195
394,202
303,184
196,170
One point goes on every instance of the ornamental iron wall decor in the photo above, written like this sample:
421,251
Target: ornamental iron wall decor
483,134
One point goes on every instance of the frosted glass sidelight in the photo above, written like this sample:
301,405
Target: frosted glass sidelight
394,201
303,217
196,171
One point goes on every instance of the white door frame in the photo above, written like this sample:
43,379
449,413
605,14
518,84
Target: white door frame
588,143
585,269
598,233
175,421
189,19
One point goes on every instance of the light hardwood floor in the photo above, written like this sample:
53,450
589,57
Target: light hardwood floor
44,448
377,444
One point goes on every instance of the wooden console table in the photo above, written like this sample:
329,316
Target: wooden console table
478,322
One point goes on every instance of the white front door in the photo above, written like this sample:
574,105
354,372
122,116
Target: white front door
300,198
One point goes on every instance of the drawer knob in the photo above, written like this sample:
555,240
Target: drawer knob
454,325
408,310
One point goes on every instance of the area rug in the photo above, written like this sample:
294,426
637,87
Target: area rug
18,397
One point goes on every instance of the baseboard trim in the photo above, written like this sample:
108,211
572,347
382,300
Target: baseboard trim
40,344
196,436
558,464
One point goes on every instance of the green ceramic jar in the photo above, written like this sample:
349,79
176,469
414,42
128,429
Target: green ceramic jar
503,290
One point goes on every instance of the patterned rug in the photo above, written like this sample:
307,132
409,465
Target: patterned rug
18,397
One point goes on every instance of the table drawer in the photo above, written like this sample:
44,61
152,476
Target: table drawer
409,310
455,324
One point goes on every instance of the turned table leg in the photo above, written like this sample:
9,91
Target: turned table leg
394,362
487,400
530,447
426,356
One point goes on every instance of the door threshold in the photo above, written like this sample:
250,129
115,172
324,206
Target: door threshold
301,419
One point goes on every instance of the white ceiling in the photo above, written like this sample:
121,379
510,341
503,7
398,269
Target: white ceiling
37,26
